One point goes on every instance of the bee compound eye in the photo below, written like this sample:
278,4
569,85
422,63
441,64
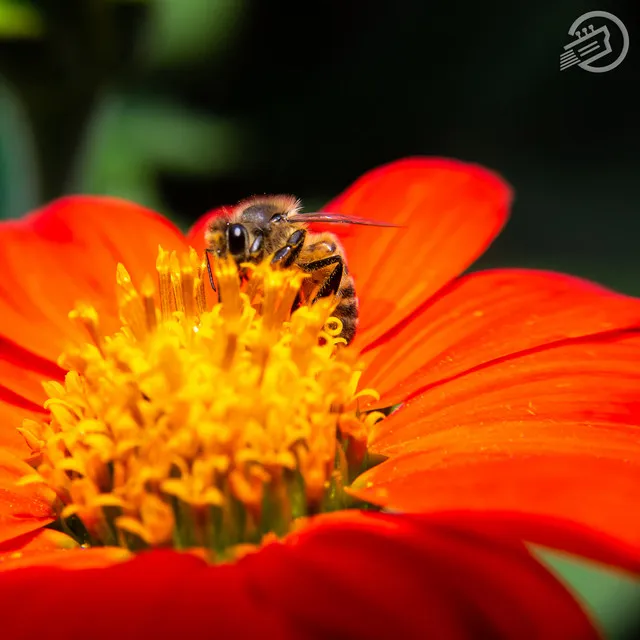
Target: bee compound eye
237,238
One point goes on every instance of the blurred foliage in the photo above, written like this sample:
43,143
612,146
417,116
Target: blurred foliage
88,81
611,597
156,136
187,32
183,105
19,20
18,176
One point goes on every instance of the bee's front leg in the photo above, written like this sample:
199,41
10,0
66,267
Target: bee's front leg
286,256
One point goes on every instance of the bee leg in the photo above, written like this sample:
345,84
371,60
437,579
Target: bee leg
285,256
331,285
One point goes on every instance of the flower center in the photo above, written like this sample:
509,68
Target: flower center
196,427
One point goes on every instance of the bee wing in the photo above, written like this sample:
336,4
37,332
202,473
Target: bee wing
336,218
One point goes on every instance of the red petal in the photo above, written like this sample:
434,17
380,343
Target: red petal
34,544
23,373
21,393
422,578
450,212
554,433
22,509
580,492
68,252
346,576
574,392
156,595
47,552
13,410
488,315
551,533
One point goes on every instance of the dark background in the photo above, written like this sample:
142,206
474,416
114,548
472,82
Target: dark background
187,104
183,105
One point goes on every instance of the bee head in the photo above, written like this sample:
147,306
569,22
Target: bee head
261,211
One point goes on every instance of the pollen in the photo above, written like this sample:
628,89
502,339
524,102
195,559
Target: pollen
201,424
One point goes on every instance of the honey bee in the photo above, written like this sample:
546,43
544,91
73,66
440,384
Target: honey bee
274,226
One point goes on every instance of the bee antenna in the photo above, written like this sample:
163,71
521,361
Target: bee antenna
206,253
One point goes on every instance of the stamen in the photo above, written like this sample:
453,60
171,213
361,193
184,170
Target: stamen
164,284
199,269
147,292
87,317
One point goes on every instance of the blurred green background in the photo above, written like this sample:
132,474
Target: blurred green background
183,105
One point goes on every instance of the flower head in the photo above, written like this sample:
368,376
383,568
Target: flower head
178,420
197,427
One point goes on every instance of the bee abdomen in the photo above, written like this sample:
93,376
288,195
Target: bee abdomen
347,312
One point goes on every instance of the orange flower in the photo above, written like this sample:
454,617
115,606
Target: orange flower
519,422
